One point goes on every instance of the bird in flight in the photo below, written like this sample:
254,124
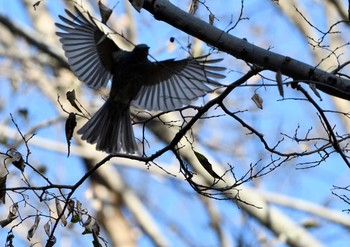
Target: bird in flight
95,58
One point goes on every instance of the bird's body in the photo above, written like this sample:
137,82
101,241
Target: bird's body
130,72
96,59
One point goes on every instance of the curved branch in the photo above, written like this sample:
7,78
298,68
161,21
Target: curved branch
333,137
248,199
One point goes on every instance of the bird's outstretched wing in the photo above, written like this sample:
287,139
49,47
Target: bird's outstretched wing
88,47
173,84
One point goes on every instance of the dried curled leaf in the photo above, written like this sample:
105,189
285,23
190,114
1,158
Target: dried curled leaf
193,7
70,126
11,216
79,210
211,19
279,82
71,211
311,223
137,4
71,98
52,241
47,228
70,207
314,89
36,4
91,226
59,212
16,159
3,188
32,230
206,165
258,100
23,112
105,12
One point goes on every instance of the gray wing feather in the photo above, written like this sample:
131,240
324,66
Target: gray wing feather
173,84
79,43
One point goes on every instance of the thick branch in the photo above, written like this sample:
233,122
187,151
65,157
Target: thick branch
329,83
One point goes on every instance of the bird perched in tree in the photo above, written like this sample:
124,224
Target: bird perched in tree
95,58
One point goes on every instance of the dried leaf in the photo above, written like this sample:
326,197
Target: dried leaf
70,206
211,19
23,112
16,158
3,188
311,223
52,240
41,168
11,216
206,165
32,230
70,95
14,209
279,83
35,5
47,228
91,226
59,212
87,222
79,210
258,100
87,229
314,89
5,222
19,164
70,126
193,7
137,4
105,12
75,218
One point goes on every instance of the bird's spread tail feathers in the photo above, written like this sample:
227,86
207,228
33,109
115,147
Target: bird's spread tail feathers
111,129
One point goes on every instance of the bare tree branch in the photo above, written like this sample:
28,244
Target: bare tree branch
242,49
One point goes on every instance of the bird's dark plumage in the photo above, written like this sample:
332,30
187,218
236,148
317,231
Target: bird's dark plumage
95,58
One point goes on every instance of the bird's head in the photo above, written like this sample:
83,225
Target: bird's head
141,50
